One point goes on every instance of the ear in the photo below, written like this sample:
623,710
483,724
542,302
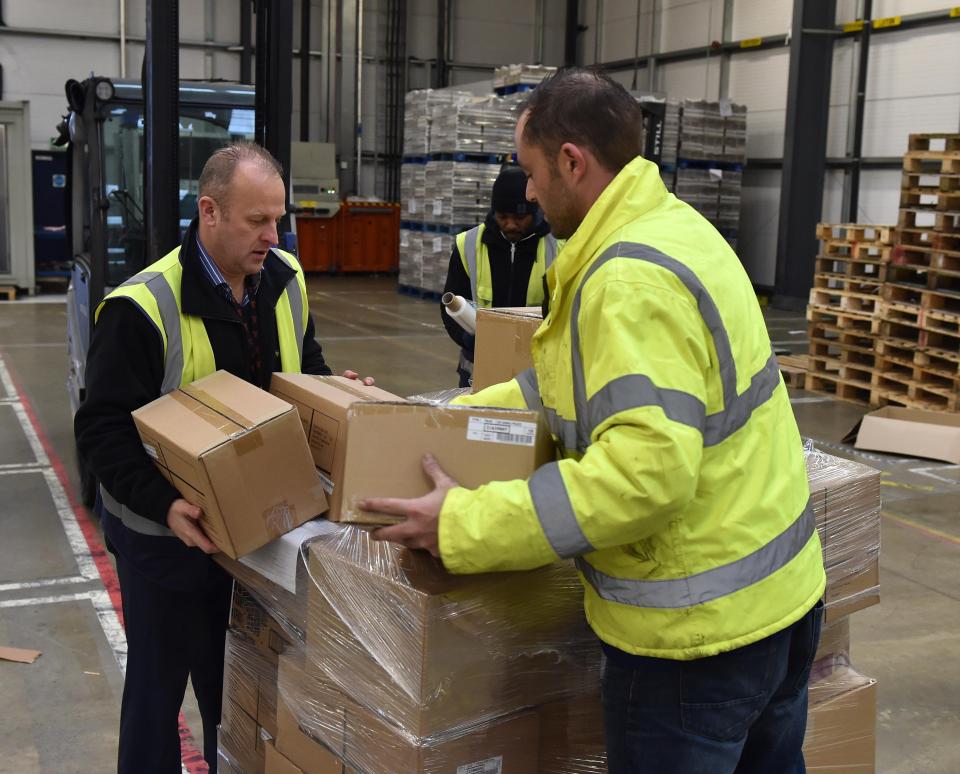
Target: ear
572,161
209,210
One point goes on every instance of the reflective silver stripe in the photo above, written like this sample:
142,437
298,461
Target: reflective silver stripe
550,250
717,427
564,429
470,255
722,425
170,317
132,520
530,389
142,277
295,295
710,584
636,390
557,519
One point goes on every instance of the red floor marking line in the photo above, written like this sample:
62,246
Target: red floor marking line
191,756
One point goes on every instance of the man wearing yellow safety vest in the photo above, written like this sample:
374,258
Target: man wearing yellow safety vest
501,262
226,300
680,487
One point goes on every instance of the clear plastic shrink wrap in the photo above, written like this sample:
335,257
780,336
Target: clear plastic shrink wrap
846,503
841,719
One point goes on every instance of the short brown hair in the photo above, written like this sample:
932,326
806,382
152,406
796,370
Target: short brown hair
585,106
222,164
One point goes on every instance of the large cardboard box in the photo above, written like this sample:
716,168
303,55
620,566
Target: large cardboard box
311,721
386,443
912,432
250,680
237,452
241,740
431,651
571,736
841,723
846,504
834,640
322,402
503,344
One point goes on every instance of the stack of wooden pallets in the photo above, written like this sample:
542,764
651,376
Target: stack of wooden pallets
884,314
843,315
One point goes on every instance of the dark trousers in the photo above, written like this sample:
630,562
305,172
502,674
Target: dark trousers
172,635
744,711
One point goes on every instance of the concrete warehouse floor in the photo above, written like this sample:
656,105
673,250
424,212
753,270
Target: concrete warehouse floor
61,712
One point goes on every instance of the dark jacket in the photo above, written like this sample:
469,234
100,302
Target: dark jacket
125,370
509,278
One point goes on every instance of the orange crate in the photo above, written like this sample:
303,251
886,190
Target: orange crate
318,242
370,237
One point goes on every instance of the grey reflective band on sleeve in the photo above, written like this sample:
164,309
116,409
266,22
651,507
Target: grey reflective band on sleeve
557,518
677,405
470,241
710,584
549,250
132,520
530,389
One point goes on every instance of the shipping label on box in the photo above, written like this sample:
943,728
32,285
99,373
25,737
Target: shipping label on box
386,443
237,452
322,402
503,344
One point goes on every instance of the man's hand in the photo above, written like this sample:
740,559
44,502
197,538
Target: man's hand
422,513
182,519
367,380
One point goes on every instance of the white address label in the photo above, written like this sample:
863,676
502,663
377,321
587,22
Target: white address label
489,766
151,451
502,431
325,481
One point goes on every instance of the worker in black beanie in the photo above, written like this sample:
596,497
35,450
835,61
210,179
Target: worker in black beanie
501,262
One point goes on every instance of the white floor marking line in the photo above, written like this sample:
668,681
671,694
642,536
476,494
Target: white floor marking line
68,519
6,382
810,400
28,431
927,472
29,601
112,628
21,467
38,584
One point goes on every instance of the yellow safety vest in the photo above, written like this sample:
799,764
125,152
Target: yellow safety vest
187,353
680,485
476,261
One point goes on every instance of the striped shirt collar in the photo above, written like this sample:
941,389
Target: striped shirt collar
211,270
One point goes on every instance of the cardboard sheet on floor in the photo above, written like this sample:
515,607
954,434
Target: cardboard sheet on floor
19,655
911,432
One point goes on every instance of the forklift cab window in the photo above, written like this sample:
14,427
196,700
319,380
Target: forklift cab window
202,131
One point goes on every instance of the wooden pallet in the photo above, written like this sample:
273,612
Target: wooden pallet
851,267
933,182
932,200
865,285
941,341
864,324
934,142
794,370
837,387
924,162
845,300
922,219
855,232
8,292
930,239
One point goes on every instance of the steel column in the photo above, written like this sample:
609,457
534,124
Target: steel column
305,70
246,42
571,32
274,93
162,128
441,74
852,189
805,148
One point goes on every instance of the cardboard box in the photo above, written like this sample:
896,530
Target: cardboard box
503,344
249,618
250,680
841,723
431,651
911,432
571,736
311,723
237,452
241,739
322,402
275,763
386,443
853,592
834,639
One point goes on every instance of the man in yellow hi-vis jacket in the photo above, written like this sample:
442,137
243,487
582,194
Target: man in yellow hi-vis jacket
225,299
680,486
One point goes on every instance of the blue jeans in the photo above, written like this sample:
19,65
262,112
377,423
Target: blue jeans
744,711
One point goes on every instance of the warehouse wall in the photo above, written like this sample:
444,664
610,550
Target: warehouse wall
912,83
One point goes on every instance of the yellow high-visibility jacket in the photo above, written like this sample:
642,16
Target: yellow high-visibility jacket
680,484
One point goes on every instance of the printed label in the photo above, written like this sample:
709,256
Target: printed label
751,43
889,21
489,766
716,174
502,431
325,481
151,451
438,206
437,244
854,26
412,205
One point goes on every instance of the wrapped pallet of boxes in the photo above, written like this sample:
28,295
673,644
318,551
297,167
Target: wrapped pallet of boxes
369,443
238,453
503,343
408,668
841,720
846,500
